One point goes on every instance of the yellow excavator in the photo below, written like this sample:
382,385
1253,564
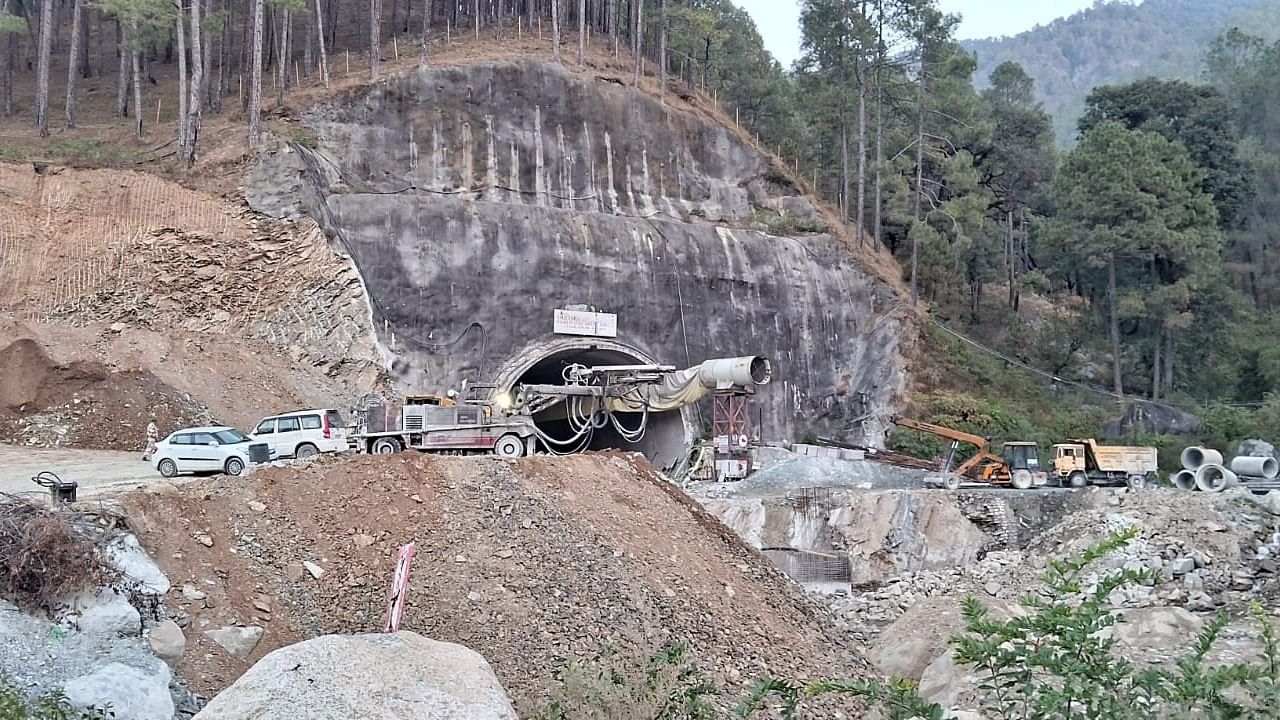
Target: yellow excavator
1018,465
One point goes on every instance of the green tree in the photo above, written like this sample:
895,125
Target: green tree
1018,165
1131,205
1197,116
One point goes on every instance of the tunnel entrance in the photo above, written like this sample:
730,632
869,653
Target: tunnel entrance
665,436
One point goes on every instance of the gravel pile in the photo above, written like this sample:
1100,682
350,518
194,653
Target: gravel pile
531,563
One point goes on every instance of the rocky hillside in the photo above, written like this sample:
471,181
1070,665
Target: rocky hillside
496,192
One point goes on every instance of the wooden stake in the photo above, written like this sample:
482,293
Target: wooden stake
348,62
297,77
519,27
735,118
240,90
539,27
395,47
158,110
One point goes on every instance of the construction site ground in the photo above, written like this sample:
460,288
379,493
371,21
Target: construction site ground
533,563
94,471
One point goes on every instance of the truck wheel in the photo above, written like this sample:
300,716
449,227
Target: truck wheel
951,481
1021,479
385,446
509,446
1078,479
1135,482
1152,480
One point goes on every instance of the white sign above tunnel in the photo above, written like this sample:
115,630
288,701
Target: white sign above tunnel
579,322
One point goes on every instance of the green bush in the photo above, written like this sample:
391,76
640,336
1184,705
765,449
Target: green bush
1057,662
53,705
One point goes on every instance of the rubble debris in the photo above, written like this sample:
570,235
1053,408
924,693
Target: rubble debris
167,641
237,640
142,694
609,554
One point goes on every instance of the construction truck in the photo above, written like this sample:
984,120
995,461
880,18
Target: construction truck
590,399
1077,463
1018,464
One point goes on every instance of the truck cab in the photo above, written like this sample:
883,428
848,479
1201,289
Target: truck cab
1068,458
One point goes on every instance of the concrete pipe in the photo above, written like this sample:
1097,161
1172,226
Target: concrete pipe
1183,480
1263,467
1215,478
1193,458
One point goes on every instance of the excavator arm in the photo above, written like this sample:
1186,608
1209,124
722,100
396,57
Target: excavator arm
983,454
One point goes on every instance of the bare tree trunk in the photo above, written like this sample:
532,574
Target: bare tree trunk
183,78
282,67
582,33
844,171
555,29
206,58
1115,324
1168,363
324,57
637,33
425,61
919,218
223,54
879,119
662,51
122,80
77,25
197,82
42,68
1156,362
611,23
86,67
308,35
1013,263
255,77
861,211
10,59
136,61
477,18
375,37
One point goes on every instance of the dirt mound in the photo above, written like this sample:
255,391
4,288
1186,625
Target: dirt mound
531,563
82,404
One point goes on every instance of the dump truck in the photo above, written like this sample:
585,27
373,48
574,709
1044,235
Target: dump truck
1018,465
1077,463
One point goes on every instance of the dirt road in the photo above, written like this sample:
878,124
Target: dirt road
94,470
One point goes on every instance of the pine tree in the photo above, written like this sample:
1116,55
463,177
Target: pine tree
42,67
73,56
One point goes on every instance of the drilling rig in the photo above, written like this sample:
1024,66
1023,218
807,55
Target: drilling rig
590,399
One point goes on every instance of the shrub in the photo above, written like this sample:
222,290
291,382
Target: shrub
46,554
53,705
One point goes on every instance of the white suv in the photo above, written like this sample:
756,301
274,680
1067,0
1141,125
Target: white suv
303,433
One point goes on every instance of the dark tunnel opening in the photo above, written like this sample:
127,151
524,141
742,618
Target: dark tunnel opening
663,442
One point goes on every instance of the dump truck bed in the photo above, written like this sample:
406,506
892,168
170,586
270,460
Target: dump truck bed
1127,459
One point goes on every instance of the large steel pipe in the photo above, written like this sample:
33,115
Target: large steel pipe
1263,467
741,371
1215,478
1184,480
1193,458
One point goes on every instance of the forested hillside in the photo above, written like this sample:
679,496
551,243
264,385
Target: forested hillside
1117,42
1141,264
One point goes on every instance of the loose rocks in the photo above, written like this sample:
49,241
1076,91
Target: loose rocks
129,691
239,641
330,678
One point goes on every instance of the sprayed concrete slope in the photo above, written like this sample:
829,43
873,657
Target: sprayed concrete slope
475,200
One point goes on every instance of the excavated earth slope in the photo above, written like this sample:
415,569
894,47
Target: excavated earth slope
532,563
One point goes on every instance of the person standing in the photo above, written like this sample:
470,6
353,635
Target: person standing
153,436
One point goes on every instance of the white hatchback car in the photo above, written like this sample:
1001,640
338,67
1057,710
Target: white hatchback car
203,449
303,433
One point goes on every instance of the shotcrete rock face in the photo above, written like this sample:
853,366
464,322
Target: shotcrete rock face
477,200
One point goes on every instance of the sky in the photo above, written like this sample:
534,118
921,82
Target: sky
779,20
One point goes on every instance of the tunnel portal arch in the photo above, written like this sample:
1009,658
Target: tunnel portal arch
668,435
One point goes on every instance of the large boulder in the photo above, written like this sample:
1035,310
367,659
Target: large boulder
105,612
136,567
372,677
167,641
1152,419
128,691
1255,448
